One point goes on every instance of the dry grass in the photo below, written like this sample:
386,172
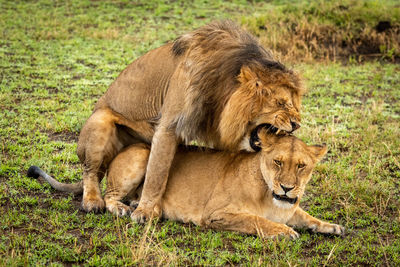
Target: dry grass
149,250
331,31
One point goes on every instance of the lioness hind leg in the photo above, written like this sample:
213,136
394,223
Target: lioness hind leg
125,174
98,144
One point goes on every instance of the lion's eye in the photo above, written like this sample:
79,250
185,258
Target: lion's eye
281,103
278,162
301,166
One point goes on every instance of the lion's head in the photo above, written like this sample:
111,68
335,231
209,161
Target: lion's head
235,86
266,97
286,166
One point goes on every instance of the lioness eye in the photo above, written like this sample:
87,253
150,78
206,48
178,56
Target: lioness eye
301,166
278,162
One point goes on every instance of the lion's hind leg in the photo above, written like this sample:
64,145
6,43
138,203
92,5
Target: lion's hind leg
125,174
98,145
99,142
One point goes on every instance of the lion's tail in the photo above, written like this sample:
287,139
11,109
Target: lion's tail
76,188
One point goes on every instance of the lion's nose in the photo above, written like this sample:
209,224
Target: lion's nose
286,189
295,125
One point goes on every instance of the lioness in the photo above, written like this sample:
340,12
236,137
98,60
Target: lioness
253,193
213,85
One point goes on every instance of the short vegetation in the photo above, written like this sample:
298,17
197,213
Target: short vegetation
58,57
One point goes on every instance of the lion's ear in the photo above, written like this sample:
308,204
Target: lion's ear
318,151
246,74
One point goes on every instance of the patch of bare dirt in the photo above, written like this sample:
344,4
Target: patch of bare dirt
65,136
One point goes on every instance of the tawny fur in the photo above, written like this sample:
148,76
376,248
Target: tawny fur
214,189
213,85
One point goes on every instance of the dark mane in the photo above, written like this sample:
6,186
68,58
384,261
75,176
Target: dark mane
245,49
179,47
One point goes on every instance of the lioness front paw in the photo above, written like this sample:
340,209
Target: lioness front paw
118,208
141,215
134,204
330,228
286,232
93,204
289,232
293,234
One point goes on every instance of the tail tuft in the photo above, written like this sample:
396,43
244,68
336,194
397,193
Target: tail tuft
33,172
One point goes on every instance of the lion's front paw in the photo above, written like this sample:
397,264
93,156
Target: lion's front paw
93,204
330,228
141,215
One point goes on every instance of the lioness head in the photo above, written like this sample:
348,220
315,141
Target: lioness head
286,166
268,97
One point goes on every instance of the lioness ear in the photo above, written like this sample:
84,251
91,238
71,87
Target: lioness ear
246,74
266,139
318,151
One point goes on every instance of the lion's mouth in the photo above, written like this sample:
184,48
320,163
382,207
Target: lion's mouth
269,127
255,141
284,198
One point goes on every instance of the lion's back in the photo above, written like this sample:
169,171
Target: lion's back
139,90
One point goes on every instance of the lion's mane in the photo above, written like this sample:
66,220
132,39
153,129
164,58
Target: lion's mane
214,55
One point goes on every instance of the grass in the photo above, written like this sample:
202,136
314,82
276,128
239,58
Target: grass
56,60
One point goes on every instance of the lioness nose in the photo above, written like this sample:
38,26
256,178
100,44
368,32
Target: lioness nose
286,189
295,125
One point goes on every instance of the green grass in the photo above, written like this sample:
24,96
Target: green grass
56,60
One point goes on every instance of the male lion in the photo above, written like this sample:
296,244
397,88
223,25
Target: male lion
253,193
213,85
